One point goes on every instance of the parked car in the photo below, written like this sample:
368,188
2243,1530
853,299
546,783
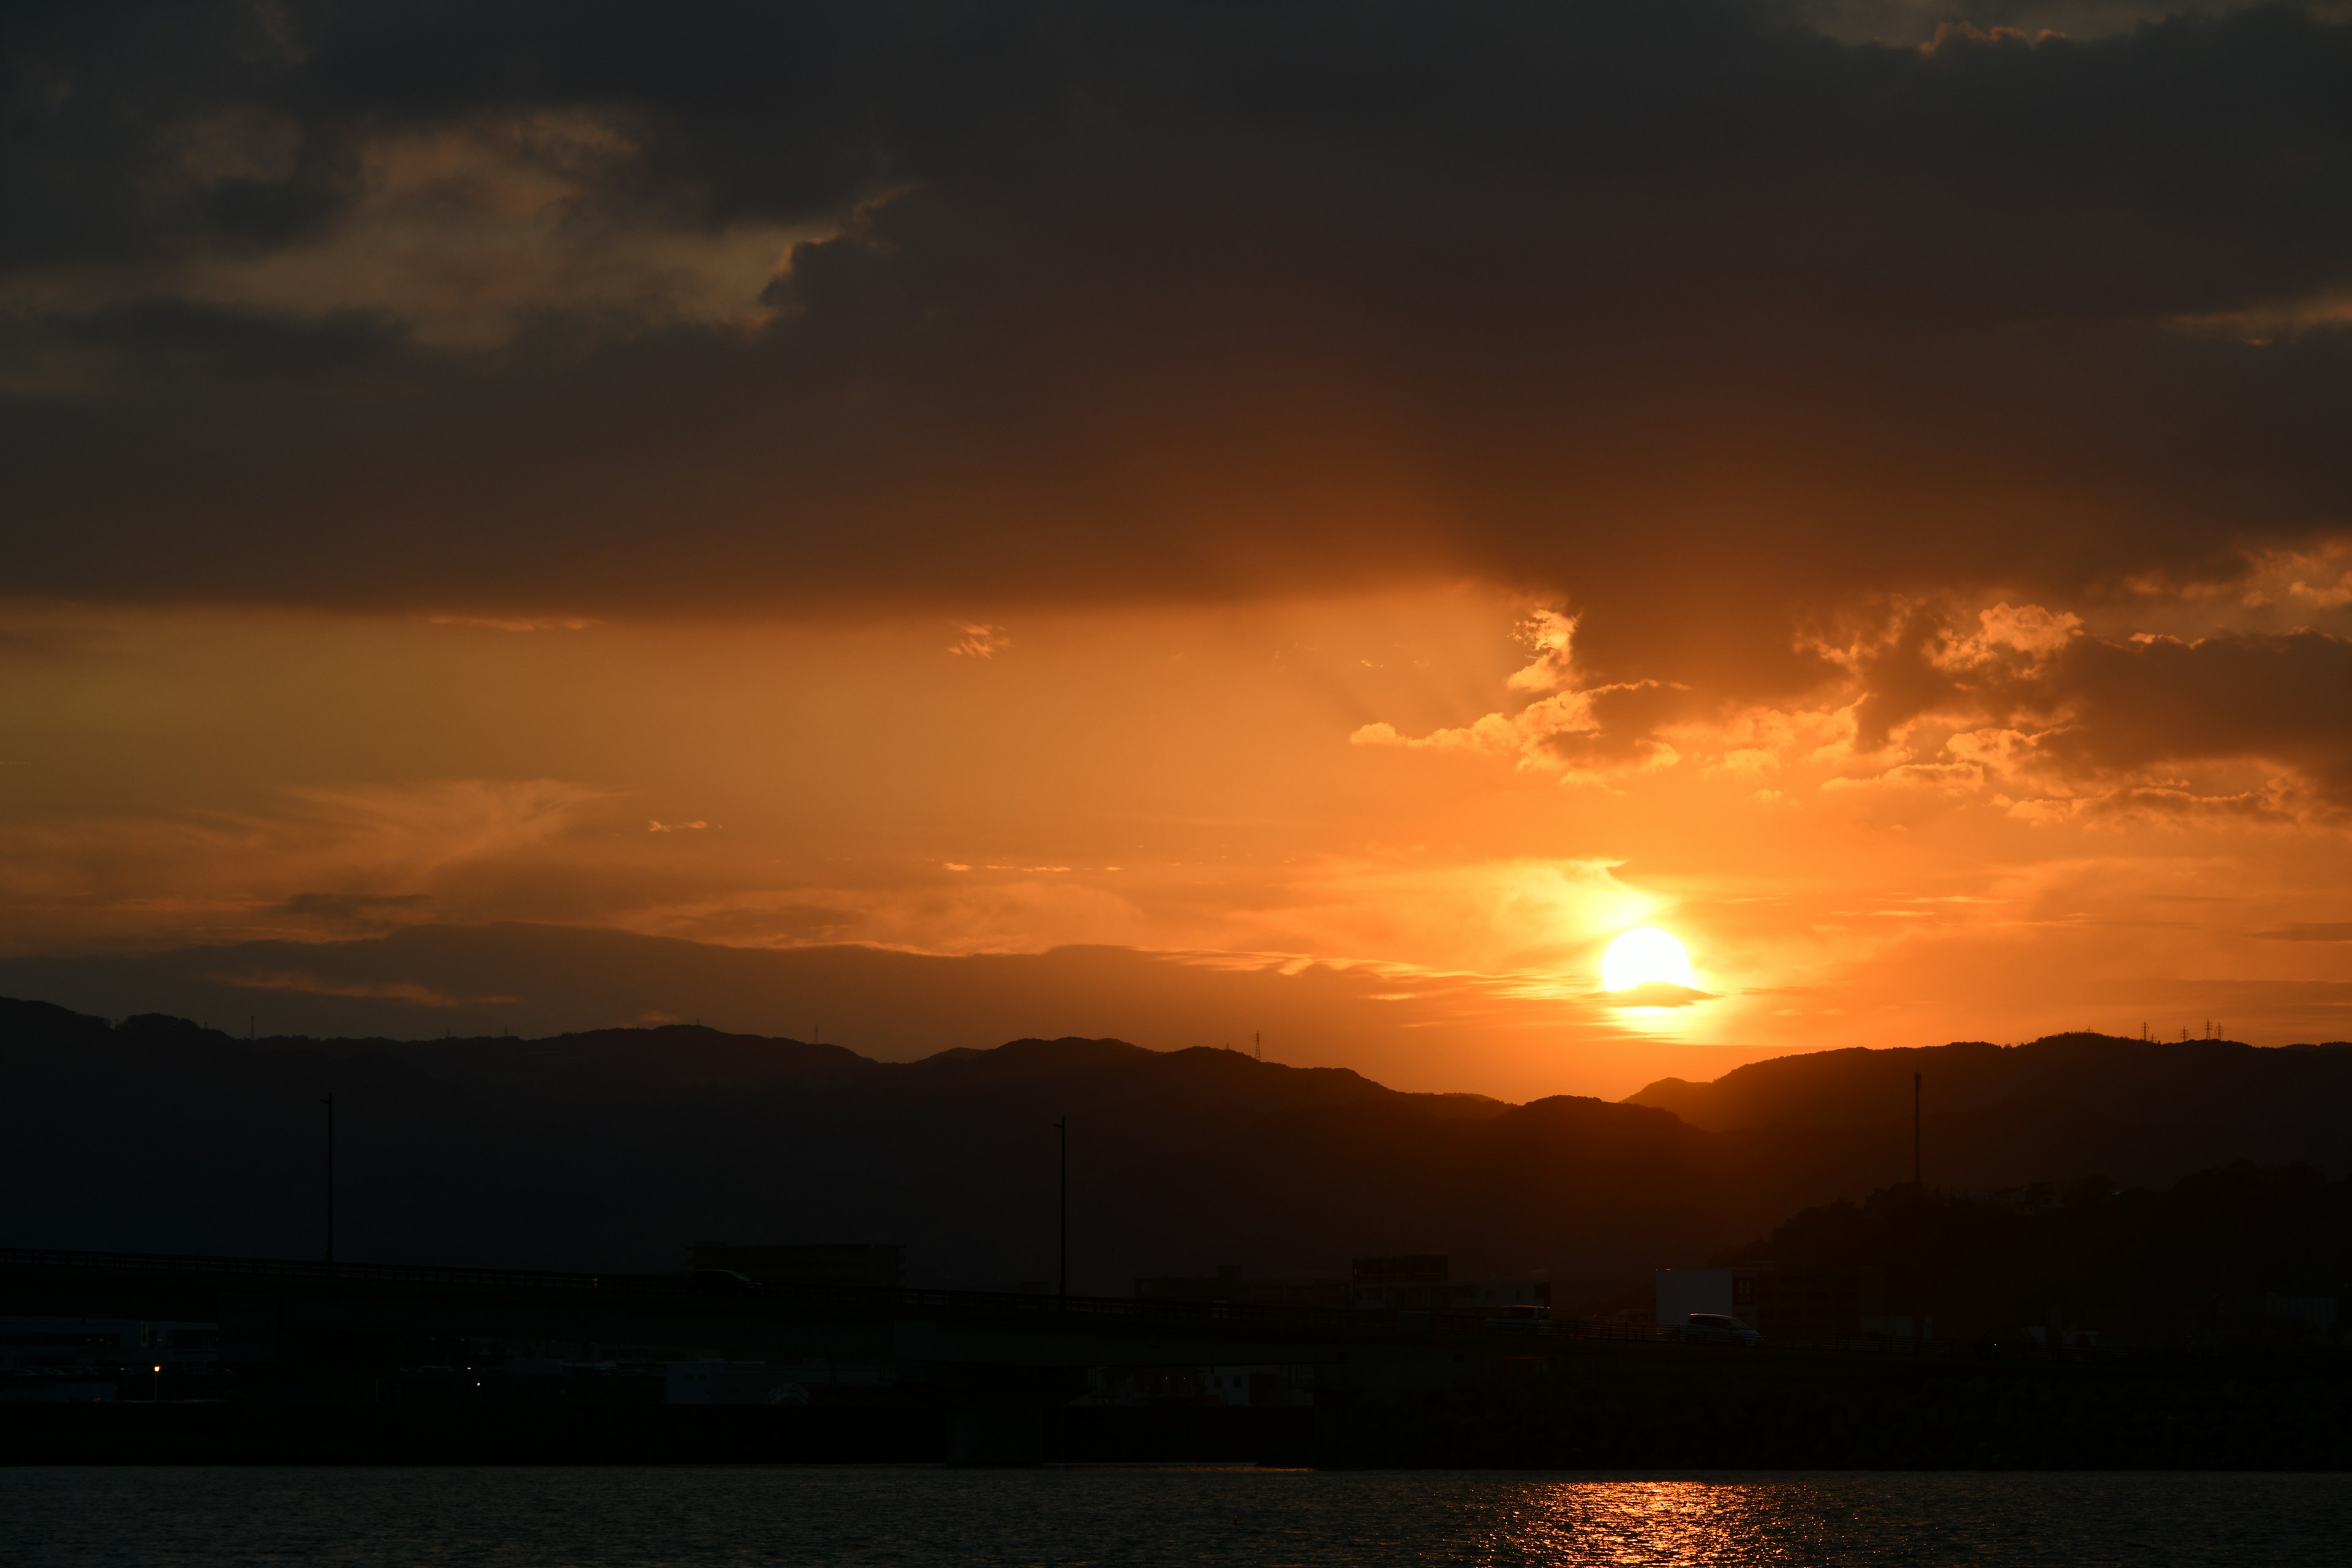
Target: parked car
1719,1329
722,1282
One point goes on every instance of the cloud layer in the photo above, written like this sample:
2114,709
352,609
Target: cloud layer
1691,313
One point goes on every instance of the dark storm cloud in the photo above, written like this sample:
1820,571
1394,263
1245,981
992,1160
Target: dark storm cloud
2105,711
1703,318
2286,699
1923,22
1903,678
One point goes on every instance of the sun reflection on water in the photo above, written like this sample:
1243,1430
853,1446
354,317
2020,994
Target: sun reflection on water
1661,1521
1161,1517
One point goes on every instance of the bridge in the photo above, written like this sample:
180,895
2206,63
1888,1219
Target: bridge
337,1361
990,1362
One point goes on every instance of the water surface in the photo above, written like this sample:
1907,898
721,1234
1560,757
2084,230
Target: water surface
592,1518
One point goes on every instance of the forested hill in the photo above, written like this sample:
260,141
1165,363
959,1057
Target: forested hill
2195,1085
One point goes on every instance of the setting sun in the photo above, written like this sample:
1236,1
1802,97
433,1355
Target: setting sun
1643,956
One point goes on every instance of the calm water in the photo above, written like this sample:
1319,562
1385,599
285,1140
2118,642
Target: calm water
557,1517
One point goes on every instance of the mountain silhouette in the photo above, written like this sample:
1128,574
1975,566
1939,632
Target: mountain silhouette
2192,1084
615,1149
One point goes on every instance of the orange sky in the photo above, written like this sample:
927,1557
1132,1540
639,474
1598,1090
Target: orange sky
1365,504
1356,782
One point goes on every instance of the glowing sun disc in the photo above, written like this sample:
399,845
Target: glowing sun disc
1642,955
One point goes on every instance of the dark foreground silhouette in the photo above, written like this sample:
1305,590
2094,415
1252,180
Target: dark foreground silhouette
2248,1255
1603,1411
615,1149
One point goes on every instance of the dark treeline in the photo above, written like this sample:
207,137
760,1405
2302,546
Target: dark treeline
2244,1250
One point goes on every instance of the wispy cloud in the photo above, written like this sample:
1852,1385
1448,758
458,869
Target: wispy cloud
516,623
2310,930
378,989
980,642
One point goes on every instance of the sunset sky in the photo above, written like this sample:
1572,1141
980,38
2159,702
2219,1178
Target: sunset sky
1329,513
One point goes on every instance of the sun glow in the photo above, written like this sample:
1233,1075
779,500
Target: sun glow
1642,956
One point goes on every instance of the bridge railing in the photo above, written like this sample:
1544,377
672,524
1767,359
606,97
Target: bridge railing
996,1307
300,1268
999,1307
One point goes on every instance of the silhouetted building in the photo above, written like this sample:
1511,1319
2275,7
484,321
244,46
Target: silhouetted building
783,1264
1230,1285
1418,1284
52,1342
1258,1386
1249,1386
2273,1312
1423,1283
76,1361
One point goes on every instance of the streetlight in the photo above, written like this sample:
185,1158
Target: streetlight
329,1103
1914,1134
157,1396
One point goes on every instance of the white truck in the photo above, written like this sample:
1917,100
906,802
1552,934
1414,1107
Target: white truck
1712,1304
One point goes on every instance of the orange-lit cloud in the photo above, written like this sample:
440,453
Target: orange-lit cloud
378,990
1566,730
980,642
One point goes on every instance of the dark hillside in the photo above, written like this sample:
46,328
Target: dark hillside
2281,1103
2242,1252
613,1148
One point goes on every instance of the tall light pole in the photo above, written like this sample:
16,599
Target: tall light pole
1063,1127
1915,1131
1919,1193
329,1103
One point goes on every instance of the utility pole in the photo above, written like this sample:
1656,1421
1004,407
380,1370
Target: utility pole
1258,1046
1915,1132
1919,1190
1063,1127
329,1103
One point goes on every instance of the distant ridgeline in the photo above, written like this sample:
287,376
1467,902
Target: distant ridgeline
615,1149
2200,1087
